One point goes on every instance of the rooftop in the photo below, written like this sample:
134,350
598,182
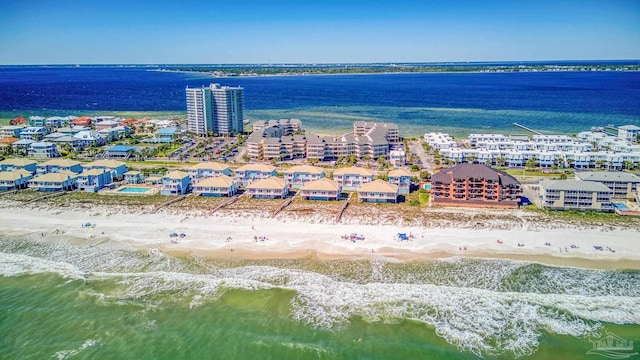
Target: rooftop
55,177
323,184
104,163
304,169
269,183
574,185
210,166
607,176
399,172
14,175
176,175
353,170
378,186
60,162
218,181
256,167
473,171
17,162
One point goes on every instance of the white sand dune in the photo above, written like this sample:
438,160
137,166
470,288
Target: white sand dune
233,234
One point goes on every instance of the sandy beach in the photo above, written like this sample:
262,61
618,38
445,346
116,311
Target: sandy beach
255,235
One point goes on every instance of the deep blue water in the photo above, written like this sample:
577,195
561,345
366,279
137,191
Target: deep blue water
448,99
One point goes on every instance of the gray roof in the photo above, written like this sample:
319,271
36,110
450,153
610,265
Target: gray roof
464,171
620,176
629,127
66,138
574,185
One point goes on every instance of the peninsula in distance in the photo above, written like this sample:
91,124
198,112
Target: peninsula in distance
229,70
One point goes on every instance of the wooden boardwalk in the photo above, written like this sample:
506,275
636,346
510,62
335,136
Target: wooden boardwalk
226,202
50,195
343,208
283,205
169,202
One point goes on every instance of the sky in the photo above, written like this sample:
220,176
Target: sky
319,31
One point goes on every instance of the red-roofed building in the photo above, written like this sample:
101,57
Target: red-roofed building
8,140
474,185
128,122
81,121
18,120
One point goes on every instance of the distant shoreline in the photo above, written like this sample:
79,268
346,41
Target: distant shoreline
257,71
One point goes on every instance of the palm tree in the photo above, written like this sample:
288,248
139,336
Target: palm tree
530,164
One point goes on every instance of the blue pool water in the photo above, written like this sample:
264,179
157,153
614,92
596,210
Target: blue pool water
620,206
133,190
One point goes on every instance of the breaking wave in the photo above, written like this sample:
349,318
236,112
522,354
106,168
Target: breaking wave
487,307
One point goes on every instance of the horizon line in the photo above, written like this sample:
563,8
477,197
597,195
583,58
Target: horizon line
474,62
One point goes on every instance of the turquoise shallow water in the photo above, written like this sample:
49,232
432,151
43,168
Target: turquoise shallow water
94,302
415,121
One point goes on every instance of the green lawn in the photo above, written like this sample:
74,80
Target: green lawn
424,199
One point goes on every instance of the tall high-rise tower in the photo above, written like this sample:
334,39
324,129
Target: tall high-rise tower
215,109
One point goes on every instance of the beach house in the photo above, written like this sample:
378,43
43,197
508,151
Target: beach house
106,124
117,168
21,147
92,180
43,150
205,170
218,186
246,174
35,133
57,165
14,179
269,188
474,185
36,121
90,138
321,189
402,178
297,175
153,179
167,134
175,183
17,164
378,191
119,152
75,143
575,195
62,180
350,178
81,121
10,131
133,177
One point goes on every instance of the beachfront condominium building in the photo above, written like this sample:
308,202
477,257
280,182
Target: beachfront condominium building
622,184
575,195
215,109
474,185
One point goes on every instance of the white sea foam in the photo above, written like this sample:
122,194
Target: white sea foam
65,354
485,307
17,264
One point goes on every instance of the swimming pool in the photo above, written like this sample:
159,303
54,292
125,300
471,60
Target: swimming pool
620,206
134,190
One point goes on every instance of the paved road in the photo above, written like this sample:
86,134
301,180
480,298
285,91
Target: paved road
415,147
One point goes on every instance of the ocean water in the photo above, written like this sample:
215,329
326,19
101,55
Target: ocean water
455,102
80,301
